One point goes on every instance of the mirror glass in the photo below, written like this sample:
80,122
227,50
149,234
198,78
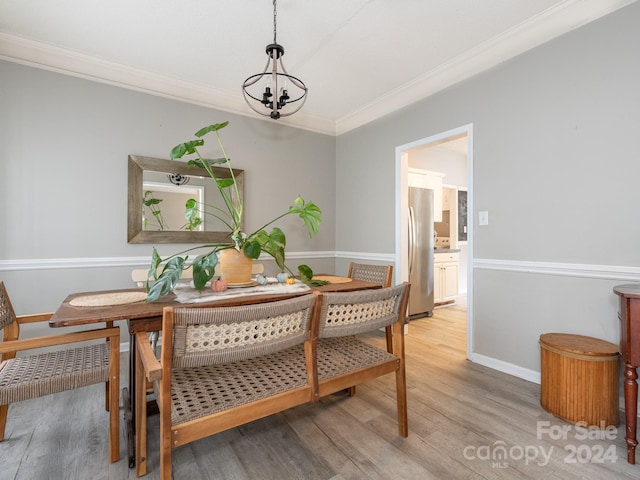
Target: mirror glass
158,191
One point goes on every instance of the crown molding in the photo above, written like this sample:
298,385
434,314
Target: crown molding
551,23
40,55
564,17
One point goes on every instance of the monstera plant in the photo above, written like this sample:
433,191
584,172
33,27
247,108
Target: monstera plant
164,273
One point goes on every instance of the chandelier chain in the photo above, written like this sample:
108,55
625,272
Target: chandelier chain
274,21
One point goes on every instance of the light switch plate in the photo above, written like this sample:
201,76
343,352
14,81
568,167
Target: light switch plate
483,218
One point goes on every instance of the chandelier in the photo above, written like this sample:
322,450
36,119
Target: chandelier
274,92
178,179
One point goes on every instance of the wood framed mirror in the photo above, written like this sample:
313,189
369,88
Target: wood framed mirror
172,182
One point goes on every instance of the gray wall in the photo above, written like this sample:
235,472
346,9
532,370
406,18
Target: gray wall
64,143
555,162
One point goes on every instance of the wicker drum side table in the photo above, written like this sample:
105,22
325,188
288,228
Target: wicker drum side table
579,379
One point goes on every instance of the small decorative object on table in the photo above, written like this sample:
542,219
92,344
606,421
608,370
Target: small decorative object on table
282,277
219,285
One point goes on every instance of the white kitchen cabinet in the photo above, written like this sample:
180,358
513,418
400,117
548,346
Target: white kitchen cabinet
446,276
433,181
446,198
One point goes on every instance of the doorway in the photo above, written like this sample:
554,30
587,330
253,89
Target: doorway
462,135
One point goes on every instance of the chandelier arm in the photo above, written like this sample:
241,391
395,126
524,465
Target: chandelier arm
257,75
296,81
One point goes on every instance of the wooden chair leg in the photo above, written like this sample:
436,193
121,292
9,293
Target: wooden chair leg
107,398
114,423
140,404
113,405
166,435
165,448
351,391
4,409
389,335
401,379
401,394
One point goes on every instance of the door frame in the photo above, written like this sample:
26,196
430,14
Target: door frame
402,205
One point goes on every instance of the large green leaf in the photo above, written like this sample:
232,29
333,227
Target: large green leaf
192,214
153,268
225,182
306,275
194,224
252,249
277,237
273,243
191,209
309,212
151,201
203,269
185,148
211,128
168,278
305,272
201,163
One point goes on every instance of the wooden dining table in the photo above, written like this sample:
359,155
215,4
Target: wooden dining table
142,316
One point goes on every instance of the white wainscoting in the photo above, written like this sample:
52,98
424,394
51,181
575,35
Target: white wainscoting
108,262
608,272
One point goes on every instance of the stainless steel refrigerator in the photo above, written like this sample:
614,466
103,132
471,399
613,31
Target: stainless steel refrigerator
421,245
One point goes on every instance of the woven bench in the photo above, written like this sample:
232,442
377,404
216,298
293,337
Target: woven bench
227,366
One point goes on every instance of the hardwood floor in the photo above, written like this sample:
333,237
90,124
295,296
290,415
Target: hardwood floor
461,416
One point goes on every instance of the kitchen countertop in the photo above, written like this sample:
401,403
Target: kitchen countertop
446,250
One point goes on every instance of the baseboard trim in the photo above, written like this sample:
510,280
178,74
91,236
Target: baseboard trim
505,367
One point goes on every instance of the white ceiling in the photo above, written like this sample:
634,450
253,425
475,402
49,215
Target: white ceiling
360,59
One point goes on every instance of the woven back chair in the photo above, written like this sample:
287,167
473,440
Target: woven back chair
39,374
141,275
345,360
222,367
380,274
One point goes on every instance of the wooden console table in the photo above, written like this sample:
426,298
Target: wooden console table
629,315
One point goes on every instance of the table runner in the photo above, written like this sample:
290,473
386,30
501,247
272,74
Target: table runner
332,278
186,293
107,299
